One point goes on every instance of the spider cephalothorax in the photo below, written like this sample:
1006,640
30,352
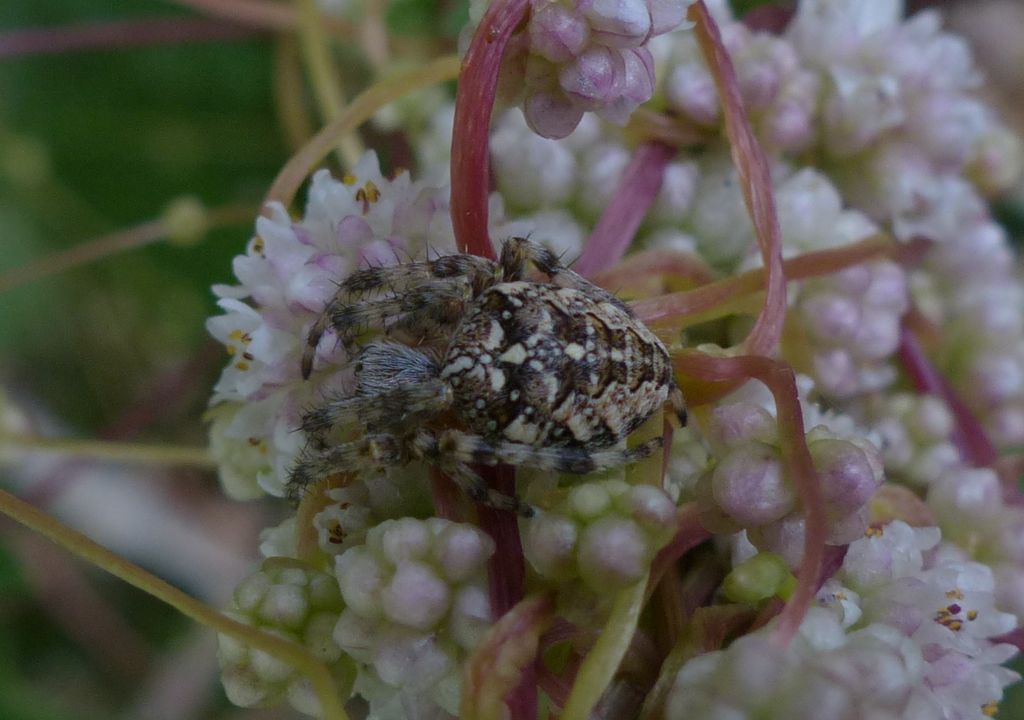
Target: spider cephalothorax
546,375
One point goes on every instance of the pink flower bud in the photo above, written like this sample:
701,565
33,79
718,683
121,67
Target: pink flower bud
749,485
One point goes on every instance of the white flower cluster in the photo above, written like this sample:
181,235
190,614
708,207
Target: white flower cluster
604,532
745,486
572,58
915,432
864,136
293,601
780,94
395,615
897,636
417,602
289,272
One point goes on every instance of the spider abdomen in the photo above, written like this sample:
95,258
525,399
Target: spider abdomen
545,365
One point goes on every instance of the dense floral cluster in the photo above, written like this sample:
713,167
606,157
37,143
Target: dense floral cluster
867,142
571,58
745,488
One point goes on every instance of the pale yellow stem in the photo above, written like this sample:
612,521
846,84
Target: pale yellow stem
373,33
109,450
603,660
83,547
324,77
264,14
362,108
89,251
288,94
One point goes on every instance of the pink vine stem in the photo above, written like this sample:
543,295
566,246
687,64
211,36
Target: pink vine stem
620,220
690,534
796,459
507,579
474,105
119,34
470,178
755,180
968,435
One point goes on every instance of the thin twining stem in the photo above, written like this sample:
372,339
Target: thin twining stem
474,106
118,34
112,450
325,78
361,109
266,14
83,547
635,194
138,236
671,312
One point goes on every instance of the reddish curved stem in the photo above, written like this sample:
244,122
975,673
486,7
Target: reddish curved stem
755,180
637,189
968,435
470,182
119,34
474,105
796,459
689,535
507,578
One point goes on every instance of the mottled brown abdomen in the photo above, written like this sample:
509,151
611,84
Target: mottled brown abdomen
545,365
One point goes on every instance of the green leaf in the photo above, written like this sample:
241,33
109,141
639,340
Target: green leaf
12,582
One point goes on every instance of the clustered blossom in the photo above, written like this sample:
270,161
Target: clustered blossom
896,636
745,486
971,286
578,57
874,129
778,92
604,532
416,603
915,431
293,601
289,272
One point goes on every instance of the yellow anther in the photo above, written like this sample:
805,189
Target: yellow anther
372,193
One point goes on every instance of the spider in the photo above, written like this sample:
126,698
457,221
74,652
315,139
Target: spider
552,376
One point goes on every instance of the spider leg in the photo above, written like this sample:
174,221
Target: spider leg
478,490
440,302
516,252
394,278
678,404
468,448
417,283
381,450
380,412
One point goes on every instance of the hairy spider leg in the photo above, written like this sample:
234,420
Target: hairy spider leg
381,450
678,404
387,450
473,273
469,448
438,302
385,412
479,491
